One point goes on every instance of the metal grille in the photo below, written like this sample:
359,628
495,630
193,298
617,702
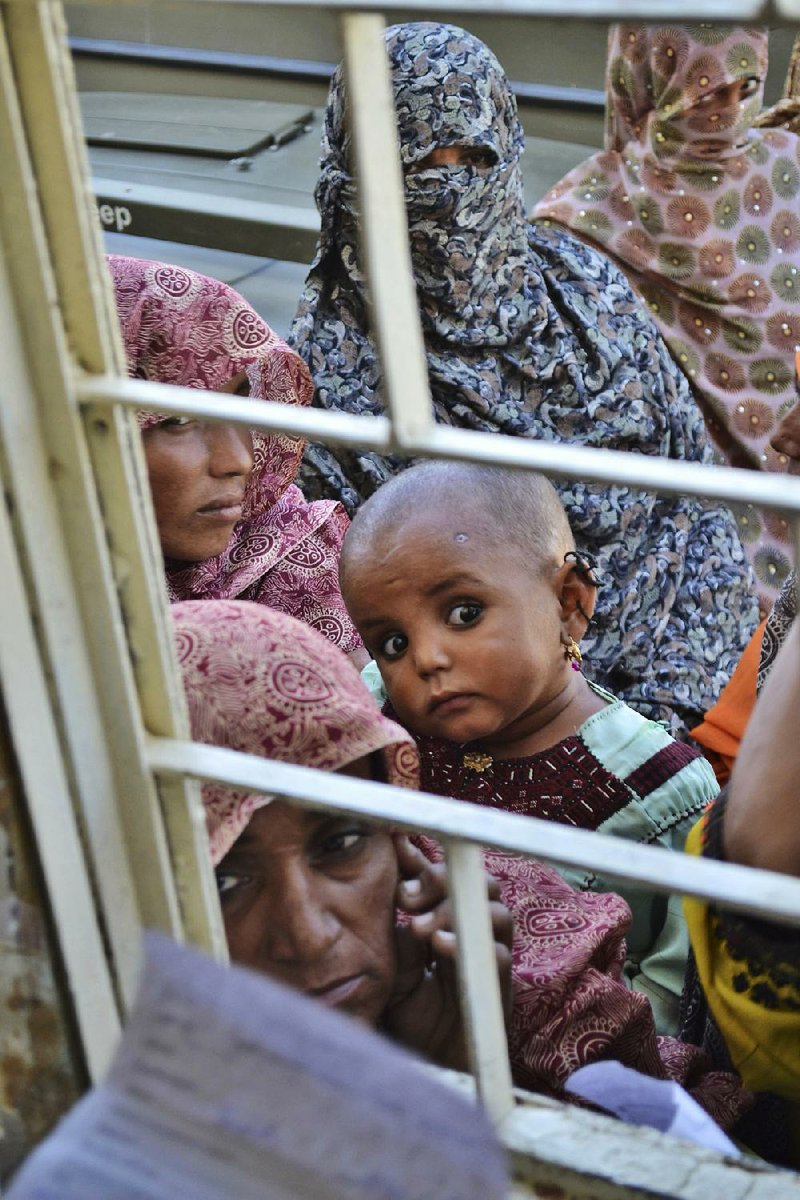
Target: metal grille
103,741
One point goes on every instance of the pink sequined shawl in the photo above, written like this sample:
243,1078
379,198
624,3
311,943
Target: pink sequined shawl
713,244
183,328
260,682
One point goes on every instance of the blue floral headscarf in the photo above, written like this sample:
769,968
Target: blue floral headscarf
531,333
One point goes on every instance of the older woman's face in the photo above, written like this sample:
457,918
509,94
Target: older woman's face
309,899
198,473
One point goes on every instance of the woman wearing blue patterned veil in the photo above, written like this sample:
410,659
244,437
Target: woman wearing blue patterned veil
531,333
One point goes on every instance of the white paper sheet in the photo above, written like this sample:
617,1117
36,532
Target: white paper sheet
229,1087
640,1100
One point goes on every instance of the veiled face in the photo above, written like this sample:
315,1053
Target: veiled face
450,92
456,156
684,92
720,111
309,899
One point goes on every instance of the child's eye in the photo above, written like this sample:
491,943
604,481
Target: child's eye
464,614
749,87
394,645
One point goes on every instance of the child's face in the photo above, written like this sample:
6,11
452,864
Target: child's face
467,637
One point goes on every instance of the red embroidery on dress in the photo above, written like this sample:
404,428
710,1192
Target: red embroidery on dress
567,783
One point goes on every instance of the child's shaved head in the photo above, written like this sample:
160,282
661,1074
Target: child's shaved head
456,578
517,508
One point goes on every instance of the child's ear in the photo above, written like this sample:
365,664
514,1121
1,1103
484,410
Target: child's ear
578,598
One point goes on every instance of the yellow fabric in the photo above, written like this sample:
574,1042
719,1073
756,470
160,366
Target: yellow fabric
764,1044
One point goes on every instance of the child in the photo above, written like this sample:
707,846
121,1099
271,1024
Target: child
466,587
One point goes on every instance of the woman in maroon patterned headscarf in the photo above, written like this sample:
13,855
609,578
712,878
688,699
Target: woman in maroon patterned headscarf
230,519
312,898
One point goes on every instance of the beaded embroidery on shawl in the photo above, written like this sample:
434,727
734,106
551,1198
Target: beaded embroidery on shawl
713,244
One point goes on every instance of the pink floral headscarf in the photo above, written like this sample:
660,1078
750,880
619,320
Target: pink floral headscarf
261,682
713,244
183,328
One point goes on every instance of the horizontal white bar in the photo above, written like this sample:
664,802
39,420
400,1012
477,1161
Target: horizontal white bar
255,212
548,1141
556,459
763,893
560,460
720,10
373,433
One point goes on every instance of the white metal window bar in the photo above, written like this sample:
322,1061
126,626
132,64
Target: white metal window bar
55,257
79,496
730,11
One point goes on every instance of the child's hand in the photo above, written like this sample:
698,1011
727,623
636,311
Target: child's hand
424,1011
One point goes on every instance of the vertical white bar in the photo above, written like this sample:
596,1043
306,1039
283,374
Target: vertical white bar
49,804
32,478
384,228
481,1001
122,594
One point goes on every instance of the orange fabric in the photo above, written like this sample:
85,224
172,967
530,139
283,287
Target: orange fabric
724,725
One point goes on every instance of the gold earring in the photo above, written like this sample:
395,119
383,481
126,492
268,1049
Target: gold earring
572,653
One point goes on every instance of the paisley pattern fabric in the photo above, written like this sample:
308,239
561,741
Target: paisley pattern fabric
777,627
570,1006
532,333
623,776
260,682
703,214
183,328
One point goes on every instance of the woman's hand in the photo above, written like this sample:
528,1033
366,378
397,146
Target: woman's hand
424,1011
761,826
